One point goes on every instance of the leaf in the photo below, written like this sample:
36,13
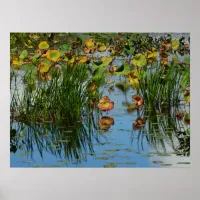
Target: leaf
24,54
44,68
64,48
123,70
139,60
70,59
106,60
98,73
89,43
53,55
43,45
187,98
175,44
83,59
101,47
17,62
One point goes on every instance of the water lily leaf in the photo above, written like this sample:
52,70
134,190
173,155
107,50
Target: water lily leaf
134,82
24,54
89,43
64,48
106,60
17,62
101,47
187,98
43,45
53,55
98,73
83,59
70,59
44,67
123,70
139,60
175,44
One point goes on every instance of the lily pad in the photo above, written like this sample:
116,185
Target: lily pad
175,44
24,54
89,43
139,60
101,47
106,60
53,55
43,45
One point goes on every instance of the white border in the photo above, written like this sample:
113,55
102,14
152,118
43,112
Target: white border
99,16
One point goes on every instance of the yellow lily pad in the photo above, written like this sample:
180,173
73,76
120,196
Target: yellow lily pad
106,60
83,59
175,44
101,47
43,45
139,60
89,43
53,55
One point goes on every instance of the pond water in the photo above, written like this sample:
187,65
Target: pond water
120,145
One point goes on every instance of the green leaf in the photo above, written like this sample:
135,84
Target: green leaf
64,48
175,44
124,69
24,54
98,73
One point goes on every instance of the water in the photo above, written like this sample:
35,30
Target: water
120,146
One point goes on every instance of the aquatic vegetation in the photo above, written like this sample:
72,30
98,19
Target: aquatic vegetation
138,100
105,104
61,83
106,122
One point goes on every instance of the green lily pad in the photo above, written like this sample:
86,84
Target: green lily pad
24,54
53,55
123,70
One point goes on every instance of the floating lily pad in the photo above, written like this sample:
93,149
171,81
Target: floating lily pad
43,45
175,44
139,60
101,47
53,55
89,43
106,60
